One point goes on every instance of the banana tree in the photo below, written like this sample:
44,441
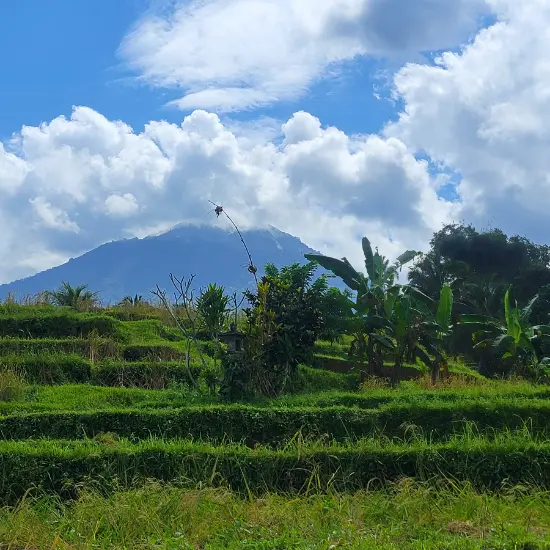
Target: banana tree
436,329
512,339
419,327
375,298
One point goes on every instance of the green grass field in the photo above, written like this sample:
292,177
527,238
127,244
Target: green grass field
104,443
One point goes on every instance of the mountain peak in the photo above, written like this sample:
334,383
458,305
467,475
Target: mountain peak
134,266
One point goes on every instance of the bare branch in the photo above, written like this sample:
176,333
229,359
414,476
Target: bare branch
251,267
184,293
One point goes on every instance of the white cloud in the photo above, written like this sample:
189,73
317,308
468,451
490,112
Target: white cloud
319,184
52,217
482,113
485,113
13,171
235,54
121,205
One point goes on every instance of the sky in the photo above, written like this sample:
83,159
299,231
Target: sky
328,119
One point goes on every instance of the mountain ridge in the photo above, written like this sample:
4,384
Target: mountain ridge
135,265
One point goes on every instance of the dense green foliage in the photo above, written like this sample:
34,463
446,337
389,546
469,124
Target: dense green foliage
38,323
61,466
405,516
276,426
119,398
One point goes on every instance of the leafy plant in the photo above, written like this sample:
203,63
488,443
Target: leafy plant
12,386
132,301
212,307
514,339
376,298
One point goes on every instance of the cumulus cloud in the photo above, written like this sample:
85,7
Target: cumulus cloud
480,114
234,54
121,205
51,217
89,180
13,171
484,113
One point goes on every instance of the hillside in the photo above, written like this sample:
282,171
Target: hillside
135,266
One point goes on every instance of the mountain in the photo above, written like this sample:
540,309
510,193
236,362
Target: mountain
135,266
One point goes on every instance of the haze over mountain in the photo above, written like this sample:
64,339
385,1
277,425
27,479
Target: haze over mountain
135,266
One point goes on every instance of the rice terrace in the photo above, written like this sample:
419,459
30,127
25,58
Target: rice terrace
388,415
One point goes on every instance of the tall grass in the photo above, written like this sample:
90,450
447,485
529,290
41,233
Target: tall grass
12,386
406,516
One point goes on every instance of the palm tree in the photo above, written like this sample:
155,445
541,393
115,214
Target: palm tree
76,297
212,308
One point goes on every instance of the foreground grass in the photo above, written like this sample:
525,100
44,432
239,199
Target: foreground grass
406,516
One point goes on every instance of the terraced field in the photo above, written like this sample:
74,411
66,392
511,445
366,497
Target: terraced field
106,445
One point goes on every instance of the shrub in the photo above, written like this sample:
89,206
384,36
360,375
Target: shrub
50,369
317,380
143,374
151,353
62,467
253,425
12,386
77,346
125,314
56,324
212,349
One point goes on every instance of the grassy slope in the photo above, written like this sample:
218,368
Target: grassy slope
85,397
411,516
407,517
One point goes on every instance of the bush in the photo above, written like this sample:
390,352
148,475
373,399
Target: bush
317,380
12,386
77,346
50,369
130,315
212,349
276,426
56,324
151,353
143,374
64,467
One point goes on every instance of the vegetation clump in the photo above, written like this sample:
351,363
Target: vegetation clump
385,413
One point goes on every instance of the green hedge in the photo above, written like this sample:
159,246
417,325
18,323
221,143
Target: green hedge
49,369
130,315
151,352
78,346
144,374
62,369
53,324
64,467
274,426
377,398
318,380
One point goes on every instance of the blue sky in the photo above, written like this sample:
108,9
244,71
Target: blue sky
329,119
65,53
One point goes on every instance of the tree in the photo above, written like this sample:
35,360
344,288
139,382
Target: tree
375,299
211,305
76,297
337,311
493,257
284,321
132,301
432,271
